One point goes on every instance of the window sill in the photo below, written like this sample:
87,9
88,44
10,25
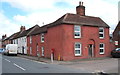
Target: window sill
101,38
102,53
77,37
77,55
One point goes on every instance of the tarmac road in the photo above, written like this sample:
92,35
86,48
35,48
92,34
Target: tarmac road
13,64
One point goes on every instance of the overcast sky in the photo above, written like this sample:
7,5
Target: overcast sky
14,13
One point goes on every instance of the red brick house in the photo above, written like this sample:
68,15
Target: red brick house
73,36
116,36
35,43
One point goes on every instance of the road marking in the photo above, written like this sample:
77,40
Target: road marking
19,66
7,60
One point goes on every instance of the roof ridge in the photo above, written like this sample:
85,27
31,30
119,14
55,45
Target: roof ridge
33,29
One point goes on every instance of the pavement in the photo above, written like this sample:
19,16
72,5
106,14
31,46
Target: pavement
106,64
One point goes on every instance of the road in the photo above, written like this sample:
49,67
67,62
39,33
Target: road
13,64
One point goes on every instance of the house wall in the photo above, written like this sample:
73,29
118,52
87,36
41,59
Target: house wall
22,45
36,41
116,35
54,40
61,38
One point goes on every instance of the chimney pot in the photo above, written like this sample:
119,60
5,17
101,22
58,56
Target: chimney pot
22,28
80,10
80,3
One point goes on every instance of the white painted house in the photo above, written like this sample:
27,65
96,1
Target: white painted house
21,39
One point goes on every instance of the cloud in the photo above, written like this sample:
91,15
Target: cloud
40,11
30,5
7,26
37,18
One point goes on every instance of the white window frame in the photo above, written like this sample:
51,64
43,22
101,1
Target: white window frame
77,31
78,49
42,48
30,39
42,37
102,48
116,43
30,50
101,33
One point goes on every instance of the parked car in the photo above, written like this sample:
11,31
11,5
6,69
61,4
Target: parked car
11,49
116,53
1,50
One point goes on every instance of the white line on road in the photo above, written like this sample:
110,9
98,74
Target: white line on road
7,60
19,66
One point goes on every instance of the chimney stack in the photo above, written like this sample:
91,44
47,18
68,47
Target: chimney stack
22,28
4,36
80,10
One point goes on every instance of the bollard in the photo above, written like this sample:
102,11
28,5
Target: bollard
59,57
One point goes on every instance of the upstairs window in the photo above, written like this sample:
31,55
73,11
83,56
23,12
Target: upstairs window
42,37
77,31
77,49
102,48
101,33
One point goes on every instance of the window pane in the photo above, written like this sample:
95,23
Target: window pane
100,30
77,33
100,35
77,51
42,37
77,28
77,45
101,50
101,45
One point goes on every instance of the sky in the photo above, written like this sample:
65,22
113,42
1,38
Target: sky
17,13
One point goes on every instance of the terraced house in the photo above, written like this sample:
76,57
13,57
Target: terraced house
72,36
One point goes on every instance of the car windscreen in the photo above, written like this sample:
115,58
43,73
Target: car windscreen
118,49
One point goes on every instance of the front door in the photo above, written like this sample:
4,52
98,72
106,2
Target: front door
22,49
90,50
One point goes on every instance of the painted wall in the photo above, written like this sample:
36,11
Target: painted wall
22,45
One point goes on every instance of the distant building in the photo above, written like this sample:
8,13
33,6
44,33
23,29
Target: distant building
73,36
116,36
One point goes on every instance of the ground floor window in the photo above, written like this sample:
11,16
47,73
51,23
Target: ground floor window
42,48
102,48
77,49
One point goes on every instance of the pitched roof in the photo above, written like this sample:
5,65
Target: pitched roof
28,32
39,30
12,36
79,20
117,29
72,19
